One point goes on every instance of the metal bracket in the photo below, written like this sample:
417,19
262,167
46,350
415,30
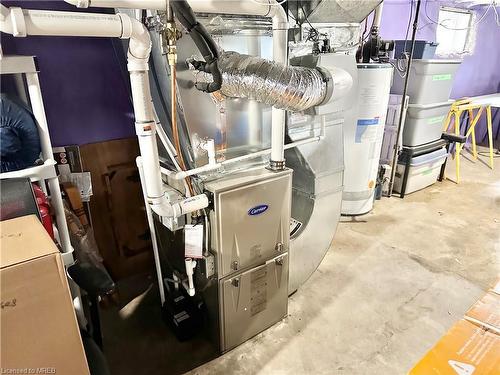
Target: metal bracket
276,165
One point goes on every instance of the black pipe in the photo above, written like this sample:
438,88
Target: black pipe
204,42
403,101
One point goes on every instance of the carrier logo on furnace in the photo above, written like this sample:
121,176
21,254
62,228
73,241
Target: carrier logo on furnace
257,210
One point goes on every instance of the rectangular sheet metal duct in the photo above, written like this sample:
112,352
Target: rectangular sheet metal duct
333,11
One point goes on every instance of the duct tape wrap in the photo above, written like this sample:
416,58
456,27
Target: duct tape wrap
285,87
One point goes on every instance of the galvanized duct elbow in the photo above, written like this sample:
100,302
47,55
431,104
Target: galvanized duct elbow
290,88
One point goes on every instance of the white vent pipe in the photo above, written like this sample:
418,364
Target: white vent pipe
271,9
23,22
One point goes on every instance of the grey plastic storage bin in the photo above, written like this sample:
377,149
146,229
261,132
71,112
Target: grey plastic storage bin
424,171
424,123
423,49
430,81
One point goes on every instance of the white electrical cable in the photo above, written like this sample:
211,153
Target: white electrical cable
492,4
497,18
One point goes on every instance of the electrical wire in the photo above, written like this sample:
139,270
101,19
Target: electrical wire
313,34
401,60
497,18
461,28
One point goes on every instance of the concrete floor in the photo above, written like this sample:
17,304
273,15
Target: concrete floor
392,283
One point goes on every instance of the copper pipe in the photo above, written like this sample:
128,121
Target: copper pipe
175,130
172,59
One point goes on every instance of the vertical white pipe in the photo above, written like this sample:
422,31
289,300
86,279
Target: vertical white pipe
149,215
146,133
254,114
377,17
270,9
189,286
38,109
278,135
280,35
38,22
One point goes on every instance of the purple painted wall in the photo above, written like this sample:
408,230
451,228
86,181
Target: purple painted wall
479,73
85,94
86,89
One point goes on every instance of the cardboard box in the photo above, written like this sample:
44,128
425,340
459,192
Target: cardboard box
471,346
466,349
486,312
39,332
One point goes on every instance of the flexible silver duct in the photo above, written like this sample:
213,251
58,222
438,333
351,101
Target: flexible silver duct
285,87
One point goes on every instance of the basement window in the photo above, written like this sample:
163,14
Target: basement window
453,32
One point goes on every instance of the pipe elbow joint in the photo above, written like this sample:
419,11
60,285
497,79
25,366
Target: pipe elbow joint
278,14
139,47
12,21
161,206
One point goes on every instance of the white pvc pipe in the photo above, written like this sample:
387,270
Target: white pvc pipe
146,133
277,135
207,167
246,7
4,13
280,44
280,34
377,17
21,22
254,114
128,4
152,230
252,8
189,286
42,22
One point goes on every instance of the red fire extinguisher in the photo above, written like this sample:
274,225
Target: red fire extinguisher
44,209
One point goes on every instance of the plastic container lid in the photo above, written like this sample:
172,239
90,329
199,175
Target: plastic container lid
428,158
431,105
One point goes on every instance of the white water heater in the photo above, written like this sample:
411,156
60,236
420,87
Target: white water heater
363,133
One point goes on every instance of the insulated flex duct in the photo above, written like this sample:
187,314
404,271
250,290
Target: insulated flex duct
290,88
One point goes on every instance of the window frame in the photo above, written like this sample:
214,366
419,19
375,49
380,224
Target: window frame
468,43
